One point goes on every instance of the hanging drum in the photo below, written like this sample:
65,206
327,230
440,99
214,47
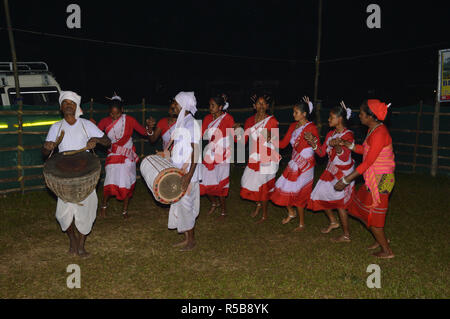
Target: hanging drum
72,177
163,179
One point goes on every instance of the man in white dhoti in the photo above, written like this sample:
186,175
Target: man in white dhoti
186,138
75,219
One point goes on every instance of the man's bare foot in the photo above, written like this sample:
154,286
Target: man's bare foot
384,254
330,227
180,244
213,209
72,251
262,220
256,212
299,228
190,245
341,239
82,253
375,245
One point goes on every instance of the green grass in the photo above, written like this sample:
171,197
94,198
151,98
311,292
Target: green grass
235,259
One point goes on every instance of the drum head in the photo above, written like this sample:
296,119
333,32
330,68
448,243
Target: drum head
168,185
71,166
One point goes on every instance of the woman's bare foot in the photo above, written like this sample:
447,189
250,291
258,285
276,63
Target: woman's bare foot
222,216
125,215
213,208
384,254
341,239
103,211
375,245
288,219
262,220
299,228
256,212
330,227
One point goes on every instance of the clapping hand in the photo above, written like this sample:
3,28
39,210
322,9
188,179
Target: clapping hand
150,122
306,99
339,186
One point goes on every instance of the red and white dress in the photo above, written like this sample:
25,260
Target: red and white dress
120,164
324,196
258,180
294,186
166,130
216,160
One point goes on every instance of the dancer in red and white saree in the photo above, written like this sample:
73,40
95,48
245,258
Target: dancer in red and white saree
216,128
164,128
120,164
293,188
340,163
258,180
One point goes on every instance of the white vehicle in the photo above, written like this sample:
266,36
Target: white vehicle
37,85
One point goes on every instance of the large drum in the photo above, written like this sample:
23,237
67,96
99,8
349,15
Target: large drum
72,177
163,179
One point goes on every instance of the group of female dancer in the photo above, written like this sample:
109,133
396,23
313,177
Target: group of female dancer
294,189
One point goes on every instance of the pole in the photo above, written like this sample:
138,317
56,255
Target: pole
419,115
18,98
435,133
316,78
434,150
143,123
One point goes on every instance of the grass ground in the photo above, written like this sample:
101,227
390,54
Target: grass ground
234,259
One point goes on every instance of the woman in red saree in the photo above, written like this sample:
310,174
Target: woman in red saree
370,203
120,164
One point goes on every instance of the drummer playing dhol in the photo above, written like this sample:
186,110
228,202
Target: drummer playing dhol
186,138
75,219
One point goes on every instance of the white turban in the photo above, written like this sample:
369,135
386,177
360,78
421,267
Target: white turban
188,102
69,95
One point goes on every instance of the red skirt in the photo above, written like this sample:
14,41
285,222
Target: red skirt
359,207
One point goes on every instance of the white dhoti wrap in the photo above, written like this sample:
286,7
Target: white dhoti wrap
183,213
84,213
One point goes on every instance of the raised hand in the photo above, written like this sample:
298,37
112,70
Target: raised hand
343,105
306,99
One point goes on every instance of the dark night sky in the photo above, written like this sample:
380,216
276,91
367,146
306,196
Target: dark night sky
284,30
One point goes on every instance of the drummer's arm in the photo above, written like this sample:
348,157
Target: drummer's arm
186,179
104,140
47,148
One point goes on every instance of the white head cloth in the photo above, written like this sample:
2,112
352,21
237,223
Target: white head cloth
310,105
187,102
69,95
115,97
349,112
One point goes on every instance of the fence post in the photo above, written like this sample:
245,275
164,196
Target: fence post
419,115
143,123
434,151
91,108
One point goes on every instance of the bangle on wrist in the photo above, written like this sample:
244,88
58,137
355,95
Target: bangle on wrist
352,146
344,181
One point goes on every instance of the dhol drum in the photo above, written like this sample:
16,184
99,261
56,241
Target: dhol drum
72,177
163,179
